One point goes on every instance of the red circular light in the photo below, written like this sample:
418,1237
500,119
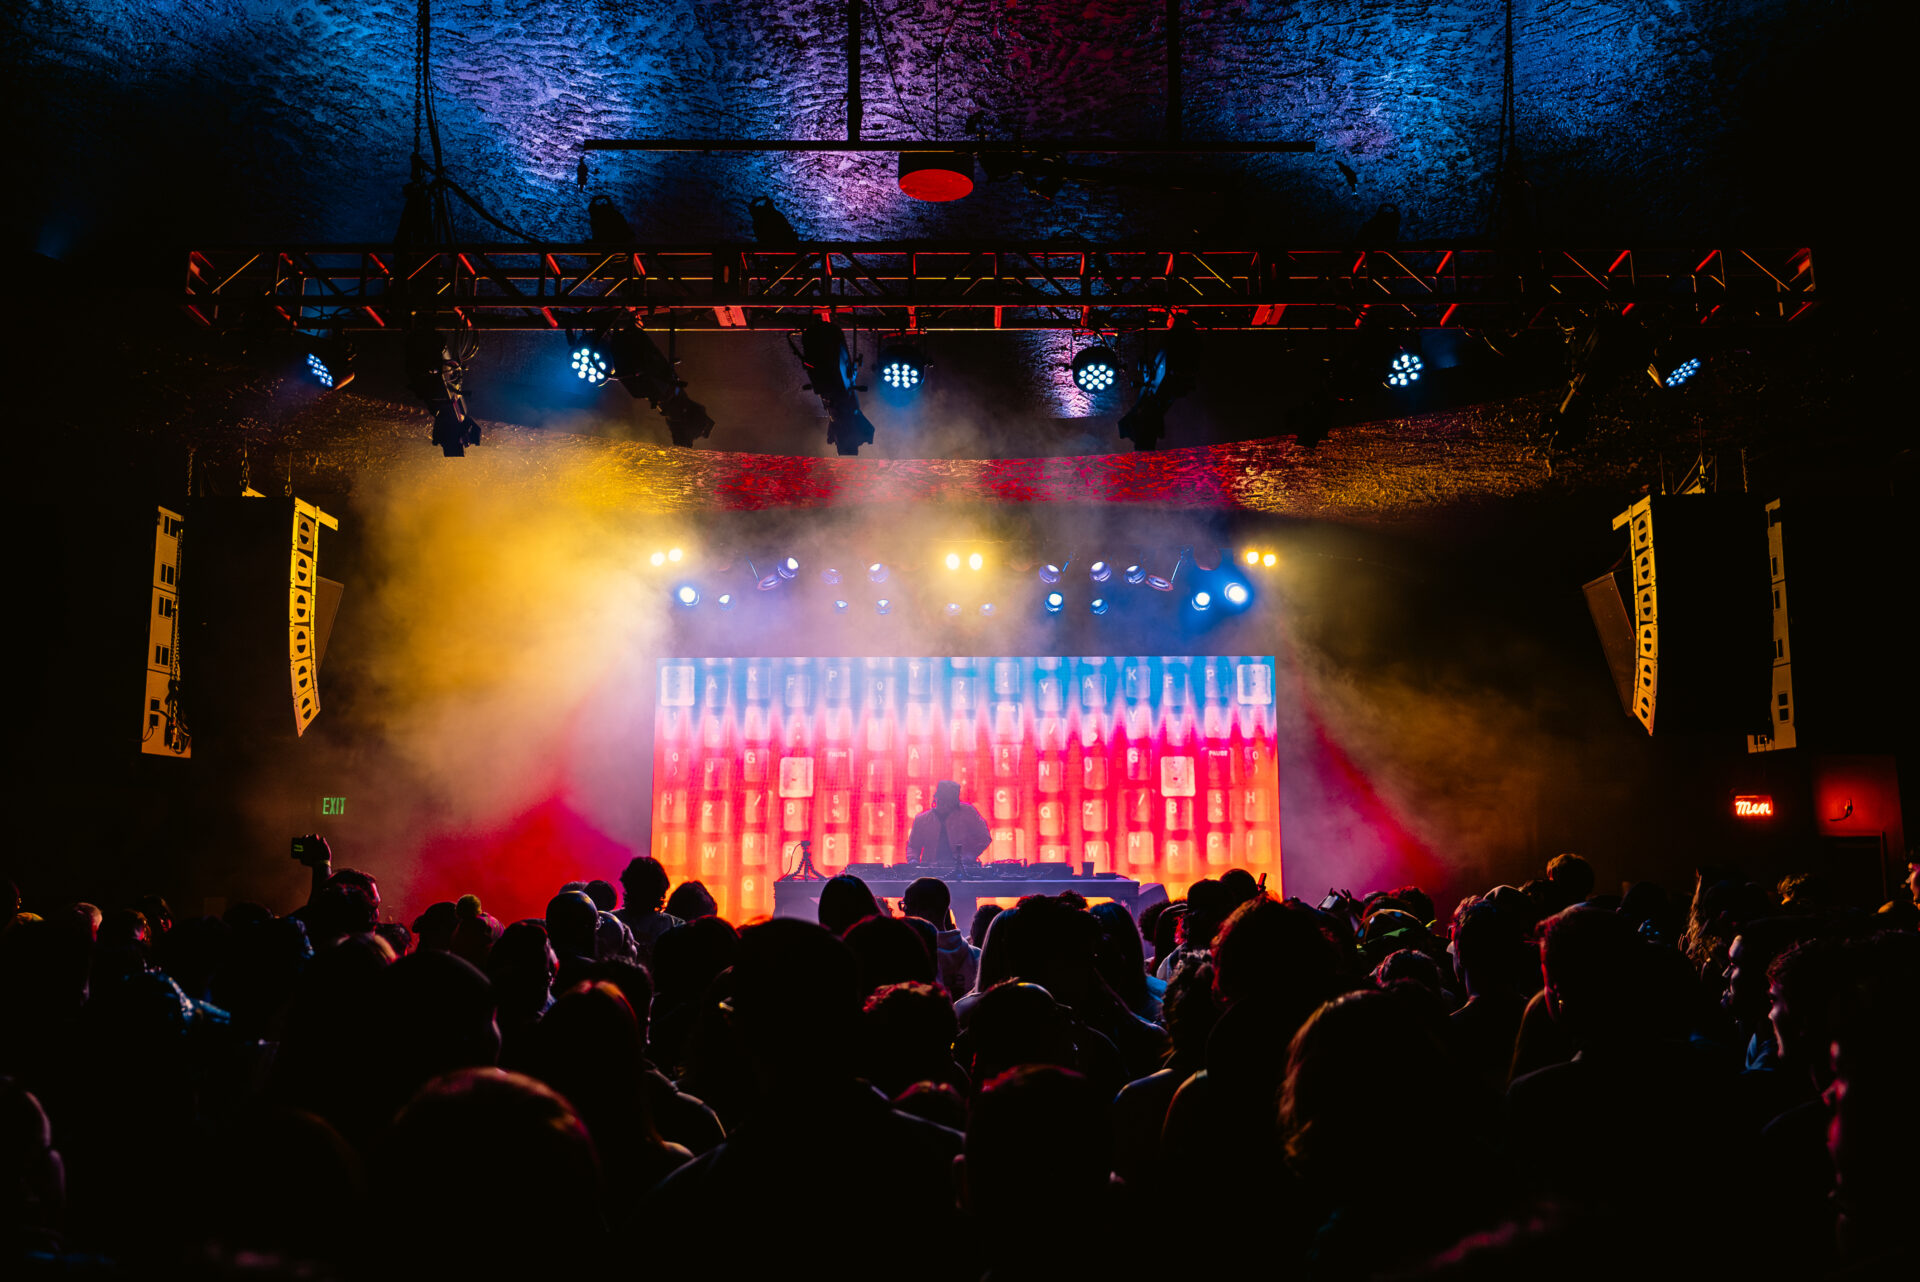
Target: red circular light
936,175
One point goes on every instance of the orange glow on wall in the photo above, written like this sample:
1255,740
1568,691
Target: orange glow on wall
1753,807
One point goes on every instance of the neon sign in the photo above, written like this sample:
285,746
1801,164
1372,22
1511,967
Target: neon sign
1753,807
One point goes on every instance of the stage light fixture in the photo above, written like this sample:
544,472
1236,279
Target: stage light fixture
1236,593
902,367
1675,373
788,567
437,366
1202,600
877,573
1159,584
829,576
975,561
1098,605
1165,377
724,601
330,361
986,609
657,559
1054,602
831,370
883,606
1100,571
1268,561
839,607
953,609
620,352
687,594
1252,557
1404,369
1049,573
674,554
1095,370
1135,574
591,365
953,560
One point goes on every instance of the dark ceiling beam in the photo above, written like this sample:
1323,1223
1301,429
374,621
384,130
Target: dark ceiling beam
1083,147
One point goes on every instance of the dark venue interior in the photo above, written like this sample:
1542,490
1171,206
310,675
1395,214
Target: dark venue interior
988,639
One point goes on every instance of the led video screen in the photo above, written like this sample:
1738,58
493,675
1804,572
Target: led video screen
1158,769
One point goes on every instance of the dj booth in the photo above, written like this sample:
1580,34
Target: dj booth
794,897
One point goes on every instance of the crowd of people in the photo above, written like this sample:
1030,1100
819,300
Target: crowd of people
1544,1081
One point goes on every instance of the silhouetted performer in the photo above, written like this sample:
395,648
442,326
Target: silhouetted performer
953,832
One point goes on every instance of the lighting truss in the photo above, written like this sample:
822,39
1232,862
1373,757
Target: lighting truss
920,287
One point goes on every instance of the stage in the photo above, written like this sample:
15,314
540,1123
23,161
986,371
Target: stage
1136,769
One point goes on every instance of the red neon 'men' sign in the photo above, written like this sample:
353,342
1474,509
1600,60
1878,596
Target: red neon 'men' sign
1753,807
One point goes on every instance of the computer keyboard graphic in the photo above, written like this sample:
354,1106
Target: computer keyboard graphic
1159,769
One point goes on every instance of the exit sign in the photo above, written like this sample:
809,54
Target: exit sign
333,805
1753,807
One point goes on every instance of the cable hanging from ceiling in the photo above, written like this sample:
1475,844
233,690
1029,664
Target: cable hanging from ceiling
427,218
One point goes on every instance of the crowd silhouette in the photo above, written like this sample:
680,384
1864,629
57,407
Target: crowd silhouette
1544,1081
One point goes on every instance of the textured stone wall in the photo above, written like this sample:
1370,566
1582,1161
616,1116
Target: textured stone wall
197,119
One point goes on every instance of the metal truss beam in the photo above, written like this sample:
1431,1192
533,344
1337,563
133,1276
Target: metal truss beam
946,287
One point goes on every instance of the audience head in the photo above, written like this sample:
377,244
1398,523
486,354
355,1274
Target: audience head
1416,901
434,927
436,1014
928,899
572,921
645,882
982,918
1208,905
1572,878
844,900
907,1035
33,1179
1121,955
1038,1126
473,933
687,957
1189,1012
633,983
889,951
522,967
1014,1024
1603,980
795,1004
482,1169
588,1047
1357,1068
1237,886
1486,949
691,900
1410,966
1806,985
1275,951
1876,1130
603,895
